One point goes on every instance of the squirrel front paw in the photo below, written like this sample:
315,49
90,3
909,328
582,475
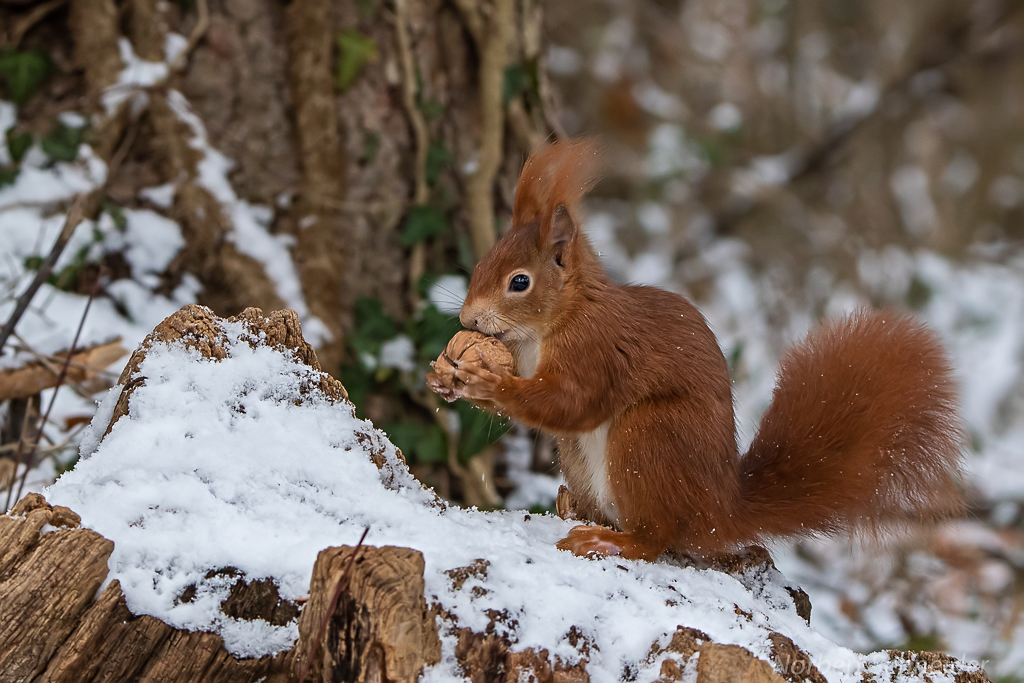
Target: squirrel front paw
441,383
480,379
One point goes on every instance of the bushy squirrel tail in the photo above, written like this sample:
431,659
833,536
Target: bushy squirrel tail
863,432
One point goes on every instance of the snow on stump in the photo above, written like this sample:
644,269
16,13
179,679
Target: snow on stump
222,488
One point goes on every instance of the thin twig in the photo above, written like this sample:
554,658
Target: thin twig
75,216
37,14
15,206
51,363
25,423
60,380
202,24
331,606
49,450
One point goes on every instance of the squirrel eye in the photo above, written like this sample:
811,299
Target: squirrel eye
520,283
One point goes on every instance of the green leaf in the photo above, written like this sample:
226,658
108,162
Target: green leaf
8,175
354,51
63,467
918,294
17,145
431,332
419,443
62,143
405,434
366,10
23,73
516,81
423,222
69,279
433,447
438,157
357,383
478,429
116,213
373,327
431,109
33,262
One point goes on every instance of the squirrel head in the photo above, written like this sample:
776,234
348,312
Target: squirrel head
523,283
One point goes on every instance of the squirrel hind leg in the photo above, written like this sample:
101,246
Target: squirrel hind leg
674,475
585,541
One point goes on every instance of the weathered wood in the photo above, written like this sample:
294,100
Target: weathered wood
381,629
110,644
41,602
53,627
197,656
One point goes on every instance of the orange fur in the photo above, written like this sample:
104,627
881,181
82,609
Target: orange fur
863,429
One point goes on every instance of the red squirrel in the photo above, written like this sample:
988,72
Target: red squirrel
863,428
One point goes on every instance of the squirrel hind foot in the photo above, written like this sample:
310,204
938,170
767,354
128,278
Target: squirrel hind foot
586,541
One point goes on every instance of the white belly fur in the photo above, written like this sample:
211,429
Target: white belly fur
527,355
592,447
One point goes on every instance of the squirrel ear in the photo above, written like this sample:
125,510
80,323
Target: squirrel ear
561,231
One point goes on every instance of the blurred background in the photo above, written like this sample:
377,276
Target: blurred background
776,161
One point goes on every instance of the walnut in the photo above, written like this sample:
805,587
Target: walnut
469,346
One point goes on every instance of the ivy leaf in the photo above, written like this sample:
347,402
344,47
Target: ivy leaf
373,327
17,145
23,73
432,331
116,214
357,383
423,222
366,10
417,442
8,175
433,447
431,109
62,143
354,51
405,435
514,83
438,157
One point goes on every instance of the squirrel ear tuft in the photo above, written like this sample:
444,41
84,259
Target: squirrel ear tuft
551,185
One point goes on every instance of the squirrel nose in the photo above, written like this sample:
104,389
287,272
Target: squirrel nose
468,318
